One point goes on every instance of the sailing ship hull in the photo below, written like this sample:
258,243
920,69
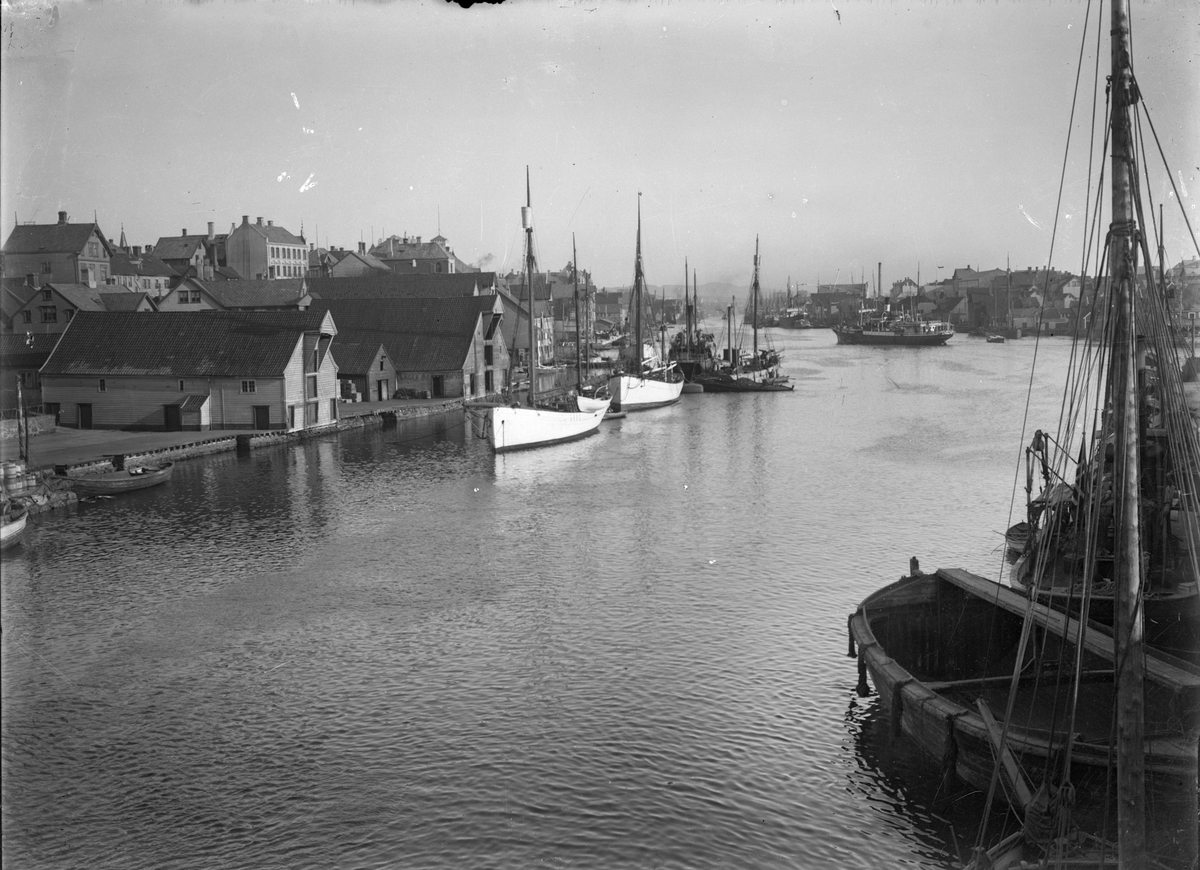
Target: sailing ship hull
119,482
632,393
523,428
891,337
933,644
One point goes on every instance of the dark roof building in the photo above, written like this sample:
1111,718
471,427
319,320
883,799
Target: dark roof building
62,252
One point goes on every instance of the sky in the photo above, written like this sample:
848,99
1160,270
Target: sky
922,136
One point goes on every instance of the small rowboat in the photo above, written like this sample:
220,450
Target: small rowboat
1017,537
117,482
13,526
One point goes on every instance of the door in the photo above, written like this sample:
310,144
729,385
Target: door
85,416
173,418
381,390
262,416
439,386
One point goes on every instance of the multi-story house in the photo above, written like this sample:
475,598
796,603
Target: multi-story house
264,251
134,269
63,252
192,294
53,306
408,255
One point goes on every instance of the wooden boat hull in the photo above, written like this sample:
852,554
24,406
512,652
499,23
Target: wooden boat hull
897,338
633,393
934,643
523,428
119,482
716,382
588,404
12,529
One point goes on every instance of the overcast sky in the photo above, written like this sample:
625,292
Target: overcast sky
841,134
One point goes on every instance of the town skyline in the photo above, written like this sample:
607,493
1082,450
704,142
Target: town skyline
924,137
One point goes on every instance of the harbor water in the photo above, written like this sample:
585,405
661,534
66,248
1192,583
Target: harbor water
392,648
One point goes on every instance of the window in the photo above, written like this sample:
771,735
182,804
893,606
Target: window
195,298
181,386
93,249
291,416
45,295
70,312
247,386
49,314
46,267
381,365
103,386
27,316
312,386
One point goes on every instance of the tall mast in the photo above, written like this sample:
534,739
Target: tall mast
575,275
638,279
527,223
687,306
754,290
1128,626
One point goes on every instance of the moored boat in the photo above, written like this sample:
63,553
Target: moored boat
12,527
130,479
645,383
903,331
516,427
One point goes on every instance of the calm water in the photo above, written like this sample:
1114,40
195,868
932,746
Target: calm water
391,648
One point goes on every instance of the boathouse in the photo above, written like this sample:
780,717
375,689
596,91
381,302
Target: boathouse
260,370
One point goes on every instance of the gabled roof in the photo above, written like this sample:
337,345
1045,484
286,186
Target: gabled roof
248,344
257,293
145,266
25,350
14,294
53,239
396,248
420,335
82,296
356,356
179,247
395,286
126,301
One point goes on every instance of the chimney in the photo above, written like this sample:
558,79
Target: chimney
362,247
62,217
149,249
270,223
245,219
259,220
211,235
137,251
184,233
312,246
30,279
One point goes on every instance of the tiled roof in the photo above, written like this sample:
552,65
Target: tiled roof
82,296
280,236
257,293
420,335
124,301
246,344
178,247
353,356
52,239
25,350
146,266
192,403
15,293
396,249
394,286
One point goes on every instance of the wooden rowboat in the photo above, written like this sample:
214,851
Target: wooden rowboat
117,482
13,526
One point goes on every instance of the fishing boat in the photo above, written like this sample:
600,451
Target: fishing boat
995,339
755,371
692,349
517,427
648,381
1070,693
12,526
129,479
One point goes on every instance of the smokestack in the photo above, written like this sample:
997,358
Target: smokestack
62,217
879,286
